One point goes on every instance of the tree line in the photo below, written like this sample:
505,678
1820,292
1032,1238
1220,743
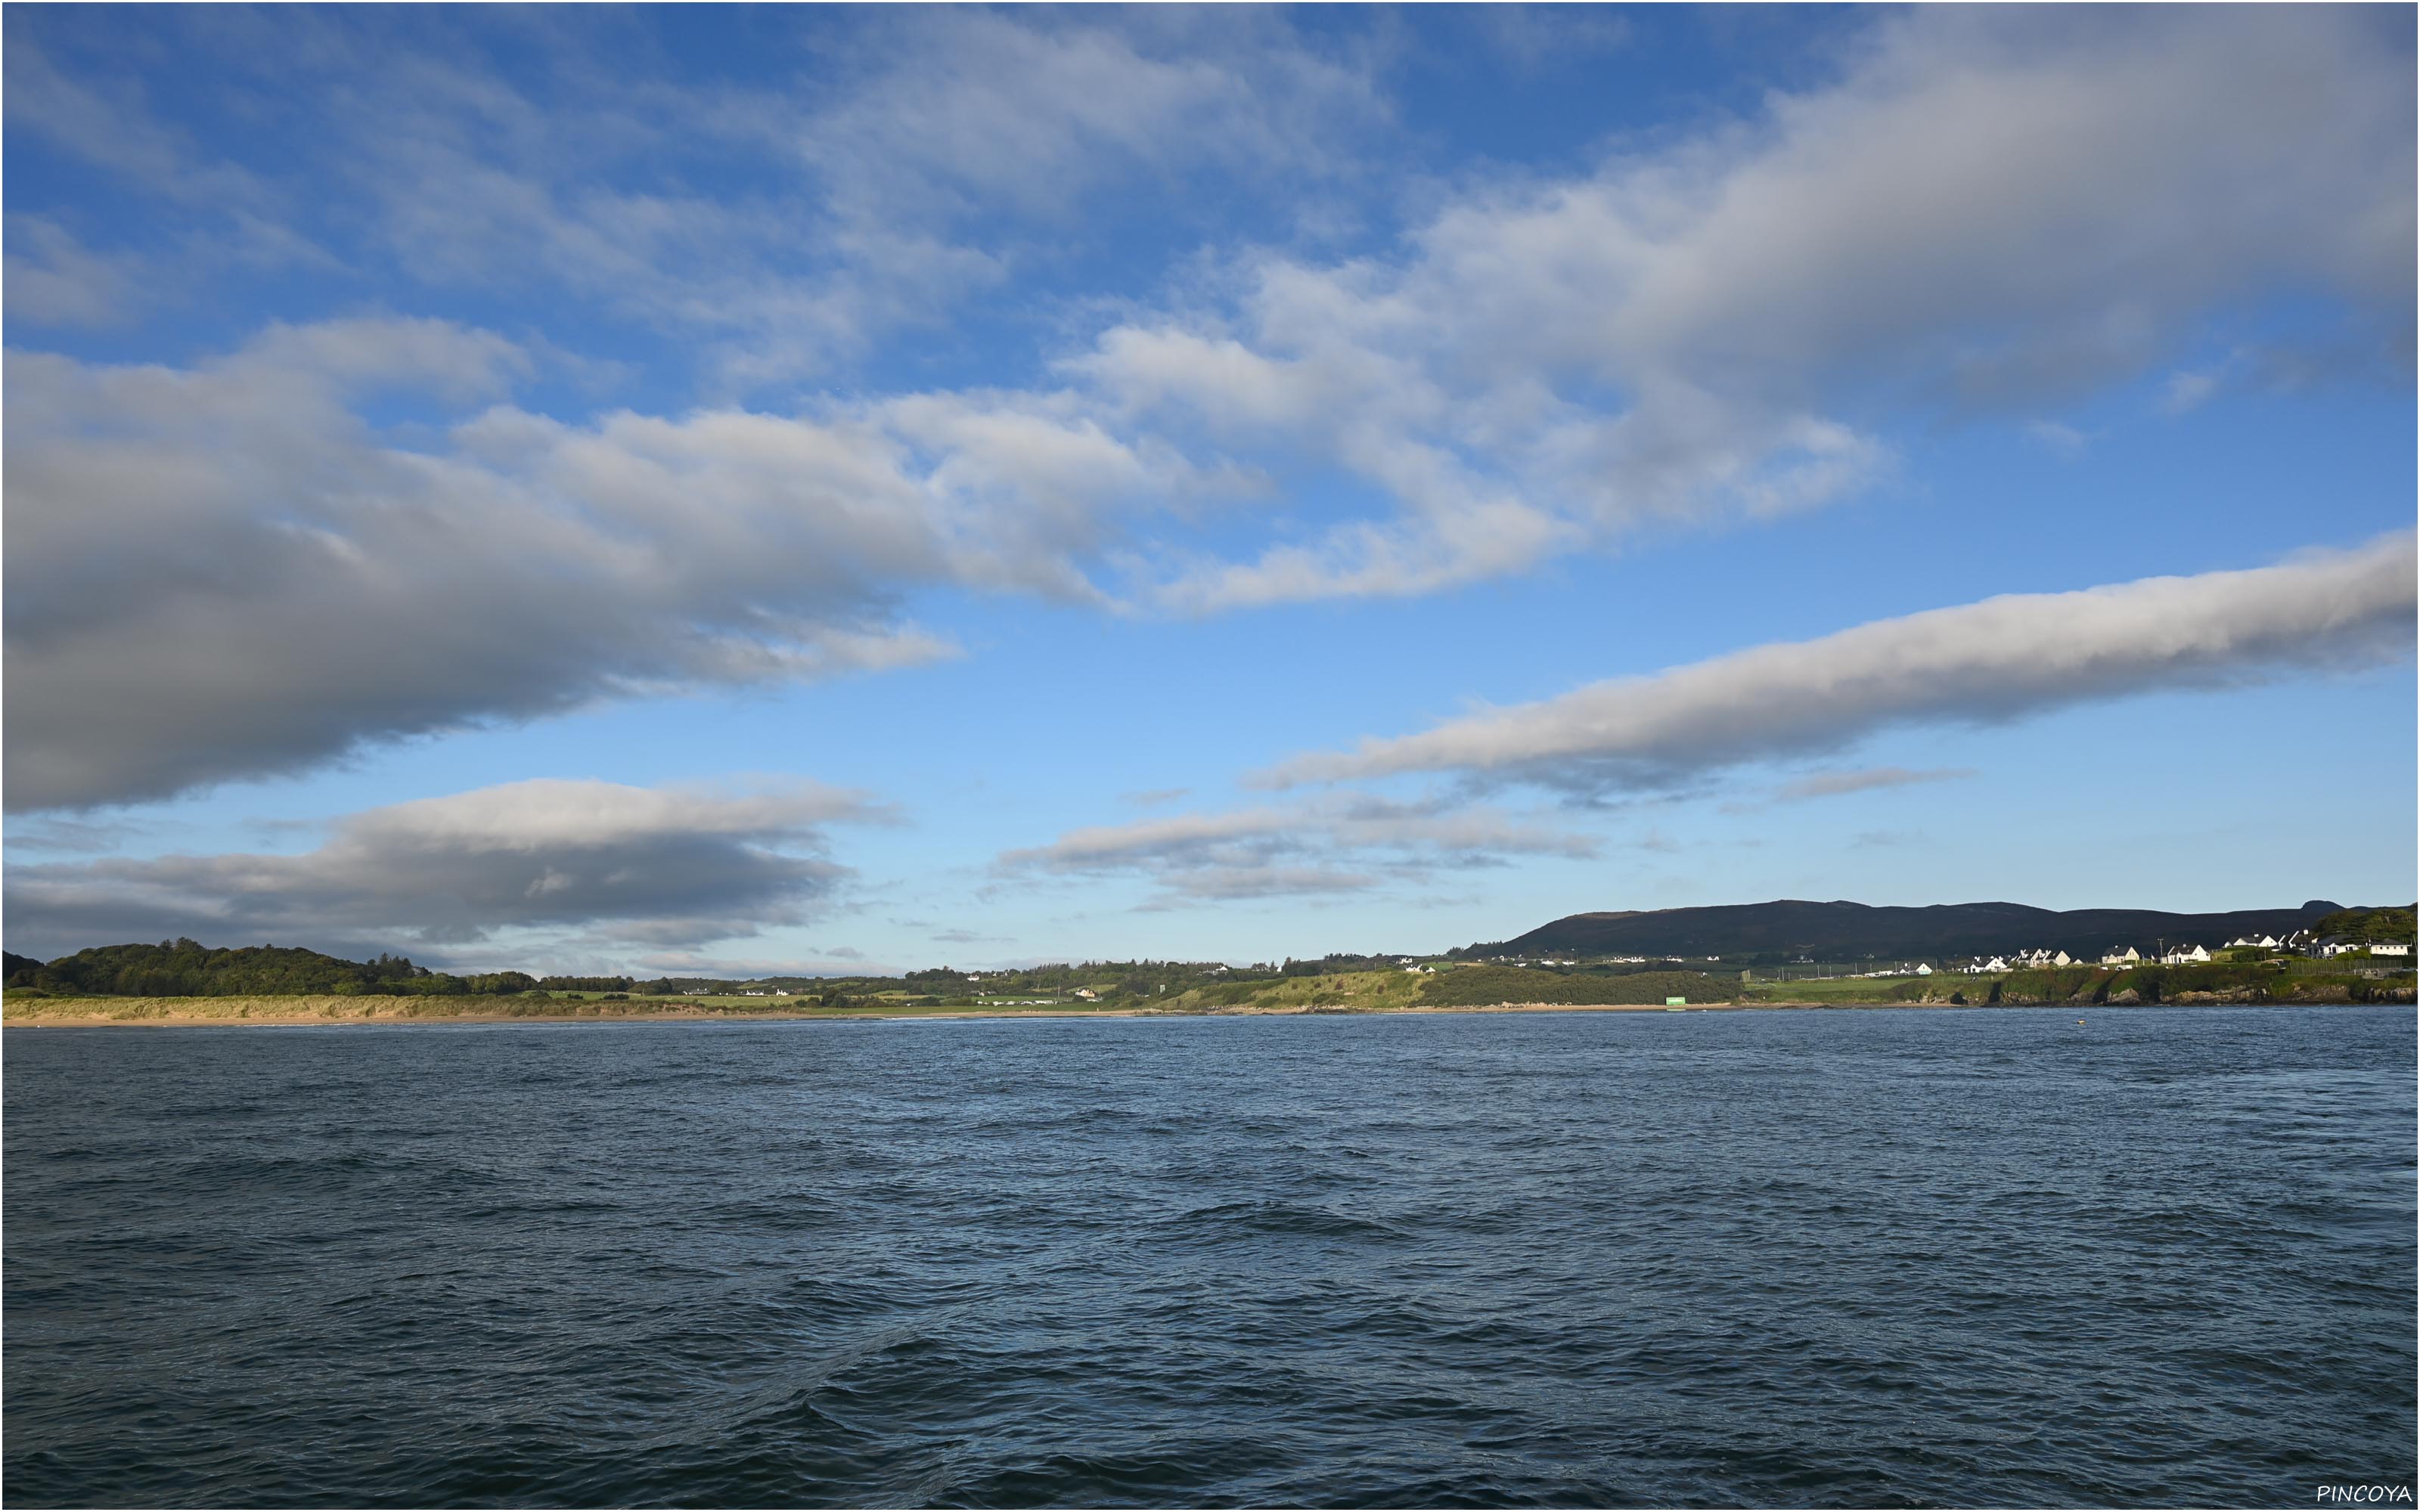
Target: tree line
186,968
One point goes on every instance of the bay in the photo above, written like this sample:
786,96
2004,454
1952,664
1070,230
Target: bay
1874,1258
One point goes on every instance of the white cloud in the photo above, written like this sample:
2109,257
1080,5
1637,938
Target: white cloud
842,962
1538,37
55,280
225,570
2061,437
596,868
1988,209
1029,112
1994,660
1152,798
875,173
221,571
1868,780
107,123
1340,843
2189,389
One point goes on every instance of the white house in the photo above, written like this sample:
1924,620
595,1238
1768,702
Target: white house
1923,970
2337,945
2126,957
2185,955
1996,963
2248,942
2062,959
1087,995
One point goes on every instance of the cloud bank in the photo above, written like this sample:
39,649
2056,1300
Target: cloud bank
347,532
1988,212
881,172
1343,843
596,869
223,572
1868,780
1995,660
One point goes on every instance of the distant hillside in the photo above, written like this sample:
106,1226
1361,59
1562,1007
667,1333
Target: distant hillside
2377,924
182,968
1481,986
1790,929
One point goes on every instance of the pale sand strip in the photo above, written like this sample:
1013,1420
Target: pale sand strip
98,1013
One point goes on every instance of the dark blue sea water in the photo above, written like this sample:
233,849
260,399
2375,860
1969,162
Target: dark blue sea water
1868,1259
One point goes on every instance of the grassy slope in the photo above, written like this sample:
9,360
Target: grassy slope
1456,987
1479,986
1364,991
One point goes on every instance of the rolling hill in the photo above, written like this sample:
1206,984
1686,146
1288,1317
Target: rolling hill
1790,928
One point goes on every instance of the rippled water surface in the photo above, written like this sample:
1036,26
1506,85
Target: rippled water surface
1777,1257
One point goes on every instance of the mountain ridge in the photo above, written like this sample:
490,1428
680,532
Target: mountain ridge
1843,930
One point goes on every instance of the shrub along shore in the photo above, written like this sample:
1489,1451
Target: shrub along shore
181,981
1482,990
2112,987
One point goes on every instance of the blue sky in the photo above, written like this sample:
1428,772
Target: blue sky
826,490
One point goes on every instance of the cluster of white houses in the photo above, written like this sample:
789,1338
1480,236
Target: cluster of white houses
2185,955
2326,947
2027,959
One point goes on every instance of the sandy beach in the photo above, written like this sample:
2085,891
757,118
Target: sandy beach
337,1012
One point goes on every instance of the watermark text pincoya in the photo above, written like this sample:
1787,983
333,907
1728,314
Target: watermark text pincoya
2369,1495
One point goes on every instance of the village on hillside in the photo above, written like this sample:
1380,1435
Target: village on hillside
2302,944
2312,944
2249,948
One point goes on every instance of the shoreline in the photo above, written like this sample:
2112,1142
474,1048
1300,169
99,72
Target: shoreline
16,1019
105,1013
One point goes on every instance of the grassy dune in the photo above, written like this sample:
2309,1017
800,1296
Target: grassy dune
1362,990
